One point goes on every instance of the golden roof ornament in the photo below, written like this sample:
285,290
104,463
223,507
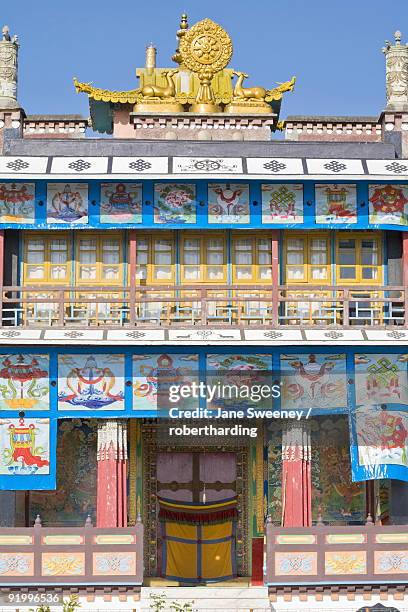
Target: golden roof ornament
180,33
205,49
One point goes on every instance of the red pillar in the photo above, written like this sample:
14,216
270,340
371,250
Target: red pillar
132,275
111,502
296,476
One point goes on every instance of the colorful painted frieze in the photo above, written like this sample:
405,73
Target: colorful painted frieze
91,382
315,381
388,204
67,203
24,447
17,203
381,379
236,380
174,203
121,203
24,382
336,203
228,203
154,375
282,203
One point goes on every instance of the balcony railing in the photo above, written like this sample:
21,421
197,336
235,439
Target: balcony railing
208,306
71,555
350,554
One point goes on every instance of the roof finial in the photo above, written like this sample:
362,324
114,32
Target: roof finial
180,33
6,33
398,37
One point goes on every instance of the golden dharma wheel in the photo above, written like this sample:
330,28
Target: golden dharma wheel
206,46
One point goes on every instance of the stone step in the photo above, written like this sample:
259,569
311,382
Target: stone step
199,592
244,599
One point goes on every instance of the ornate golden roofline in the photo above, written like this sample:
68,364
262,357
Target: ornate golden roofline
201,83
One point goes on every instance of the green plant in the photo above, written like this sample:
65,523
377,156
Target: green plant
185,607
158,602
72,604
69,605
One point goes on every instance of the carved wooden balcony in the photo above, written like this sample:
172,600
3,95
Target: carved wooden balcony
322,554
167,306
35,556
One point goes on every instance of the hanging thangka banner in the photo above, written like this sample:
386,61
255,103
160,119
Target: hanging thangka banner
336,203
378,443
228,203
24,382
155,375
17,203
234,382
67,203
381,379
282,203
316,381
121,203
388,204
379,424
174,203
27,454
91,382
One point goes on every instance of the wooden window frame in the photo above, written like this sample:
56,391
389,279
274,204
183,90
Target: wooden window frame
203,250
307,265
99,265
150,265
47,237
359,237
255,279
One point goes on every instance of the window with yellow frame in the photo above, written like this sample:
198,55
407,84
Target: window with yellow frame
99,259
155,259
307,258
46,258
359,258
251,258
203,258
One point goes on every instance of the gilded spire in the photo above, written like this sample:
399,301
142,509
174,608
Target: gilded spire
180,33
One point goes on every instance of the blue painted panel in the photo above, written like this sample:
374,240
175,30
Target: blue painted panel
201,222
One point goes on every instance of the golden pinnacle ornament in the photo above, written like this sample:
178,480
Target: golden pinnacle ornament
206,48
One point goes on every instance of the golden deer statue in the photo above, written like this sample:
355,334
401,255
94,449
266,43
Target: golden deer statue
247,93
160,91
259,94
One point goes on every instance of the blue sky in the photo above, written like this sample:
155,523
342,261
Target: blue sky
333,47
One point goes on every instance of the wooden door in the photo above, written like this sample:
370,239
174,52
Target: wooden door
195,477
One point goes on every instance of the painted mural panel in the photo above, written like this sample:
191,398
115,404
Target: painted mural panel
121,203
244,374
381,379
282,203
67,203
91,381
174,203
388,204
379,443
336,203
17,203
334,495
313,380
24,447
75,496
153,375
228,203
24,382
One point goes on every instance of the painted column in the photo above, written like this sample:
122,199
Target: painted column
111,504
296,475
